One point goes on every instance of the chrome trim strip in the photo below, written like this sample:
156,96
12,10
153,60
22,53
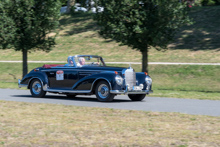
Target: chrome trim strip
68,91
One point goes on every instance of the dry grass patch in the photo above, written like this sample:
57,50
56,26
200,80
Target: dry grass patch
28,124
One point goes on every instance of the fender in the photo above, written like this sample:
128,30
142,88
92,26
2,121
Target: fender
140,78
90,81
34,75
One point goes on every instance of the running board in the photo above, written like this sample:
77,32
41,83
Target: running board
68,91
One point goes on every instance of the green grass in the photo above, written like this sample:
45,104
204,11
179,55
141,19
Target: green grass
181,81
203,34
196,43
29,124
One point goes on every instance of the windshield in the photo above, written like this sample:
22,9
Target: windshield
88,61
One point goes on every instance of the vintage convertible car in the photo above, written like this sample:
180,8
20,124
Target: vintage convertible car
87,75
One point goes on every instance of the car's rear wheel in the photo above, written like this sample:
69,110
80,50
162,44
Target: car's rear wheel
136,97
102,92
36,89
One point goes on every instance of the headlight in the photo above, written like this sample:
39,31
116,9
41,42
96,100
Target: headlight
148,80
119,80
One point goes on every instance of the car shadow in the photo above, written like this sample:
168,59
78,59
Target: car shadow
77,98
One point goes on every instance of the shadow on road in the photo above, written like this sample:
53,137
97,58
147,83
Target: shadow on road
77,98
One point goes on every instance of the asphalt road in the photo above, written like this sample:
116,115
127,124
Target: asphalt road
155,104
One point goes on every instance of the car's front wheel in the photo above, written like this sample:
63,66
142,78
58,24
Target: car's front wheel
36,89
136,97
102,92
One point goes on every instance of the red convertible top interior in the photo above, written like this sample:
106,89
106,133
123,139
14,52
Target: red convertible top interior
52,65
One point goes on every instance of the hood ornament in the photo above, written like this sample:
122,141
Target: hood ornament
130,66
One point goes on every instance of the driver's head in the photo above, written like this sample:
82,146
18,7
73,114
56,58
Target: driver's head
82,61
70,61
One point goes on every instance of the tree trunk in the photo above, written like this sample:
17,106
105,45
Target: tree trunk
70,4
145,60
25,65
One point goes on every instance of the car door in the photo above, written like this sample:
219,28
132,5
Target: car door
62,78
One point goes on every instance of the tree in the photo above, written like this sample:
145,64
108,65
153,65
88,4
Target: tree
141,24
27,25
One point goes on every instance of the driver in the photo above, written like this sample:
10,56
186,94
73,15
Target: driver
81,61
70,61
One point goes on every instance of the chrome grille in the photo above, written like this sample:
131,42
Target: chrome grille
130,78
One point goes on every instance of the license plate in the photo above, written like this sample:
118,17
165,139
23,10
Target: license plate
137,88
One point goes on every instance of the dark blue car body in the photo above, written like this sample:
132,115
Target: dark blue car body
104,81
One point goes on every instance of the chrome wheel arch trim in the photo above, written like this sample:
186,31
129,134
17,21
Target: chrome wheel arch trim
101,78
29,82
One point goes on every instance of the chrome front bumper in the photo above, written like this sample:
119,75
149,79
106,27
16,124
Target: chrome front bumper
131,92
126,91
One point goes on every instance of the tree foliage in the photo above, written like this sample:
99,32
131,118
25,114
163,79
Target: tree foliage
26,25
63,2
70,4
7,28
141,24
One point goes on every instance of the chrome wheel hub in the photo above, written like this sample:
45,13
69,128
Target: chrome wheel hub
36,87
103,91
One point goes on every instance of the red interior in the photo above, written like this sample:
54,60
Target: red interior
52,65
